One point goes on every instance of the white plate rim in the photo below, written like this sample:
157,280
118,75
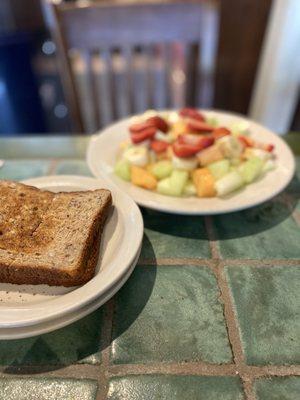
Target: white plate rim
162,204
37,313
66,319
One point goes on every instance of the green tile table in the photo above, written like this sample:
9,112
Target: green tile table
212,310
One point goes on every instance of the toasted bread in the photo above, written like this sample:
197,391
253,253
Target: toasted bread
50,238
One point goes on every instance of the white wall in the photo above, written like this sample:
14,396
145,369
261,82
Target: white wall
277,84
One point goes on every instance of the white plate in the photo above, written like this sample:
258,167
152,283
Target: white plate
24,305
67,319
103,147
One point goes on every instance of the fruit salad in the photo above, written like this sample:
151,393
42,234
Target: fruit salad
186,153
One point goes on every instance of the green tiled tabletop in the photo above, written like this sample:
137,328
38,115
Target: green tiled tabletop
212,310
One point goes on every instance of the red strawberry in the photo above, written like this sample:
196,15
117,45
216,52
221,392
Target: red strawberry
220,132
246,141
145,134
135,128
159,146
191,113
159,123
183,147
199,126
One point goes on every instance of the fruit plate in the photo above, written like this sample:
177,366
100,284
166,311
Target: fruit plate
27,305
103,148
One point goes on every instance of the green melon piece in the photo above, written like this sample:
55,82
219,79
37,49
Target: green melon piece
162,169
122,170
219,168
251,169
189,189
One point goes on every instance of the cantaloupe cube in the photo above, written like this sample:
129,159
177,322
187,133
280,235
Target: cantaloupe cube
141,177
204,182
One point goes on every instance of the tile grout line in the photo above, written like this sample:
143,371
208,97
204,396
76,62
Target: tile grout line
175,261
233,332
106,336
173,368
229,315
273,370
211,262
85,371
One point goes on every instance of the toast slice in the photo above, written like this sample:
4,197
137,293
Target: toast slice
50,238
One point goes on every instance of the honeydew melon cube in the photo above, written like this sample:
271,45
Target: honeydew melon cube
219,168
122,169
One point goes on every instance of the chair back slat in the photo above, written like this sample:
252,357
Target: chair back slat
134,57
135,24
92,88
127,55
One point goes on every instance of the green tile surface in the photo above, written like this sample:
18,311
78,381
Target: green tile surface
78,342
169,313
294,186
293,140
174,236
23,169
47,389
278,388
72,167
44,147
265,231
164,387
267,302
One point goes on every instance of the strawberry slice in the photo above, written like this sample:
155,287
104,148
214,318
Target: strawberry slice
246,141
206,142
136,128
191,113
159,146
199,126
148,133
218,133
269,147
159,123
196,140
184,148
265,146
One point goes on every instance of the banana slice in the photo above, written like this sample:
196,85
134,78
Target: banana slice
230,146
136,156
262,154
188,164
145,143
173,117
240,128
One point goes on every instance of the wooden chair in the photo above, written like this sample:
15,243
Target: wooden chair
135,56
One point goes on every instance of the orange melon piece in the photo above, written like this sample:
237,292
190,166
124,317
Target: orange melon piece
141,177
204,182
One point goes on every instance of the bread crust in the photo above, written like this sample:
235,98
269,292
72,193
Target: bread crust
84,269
